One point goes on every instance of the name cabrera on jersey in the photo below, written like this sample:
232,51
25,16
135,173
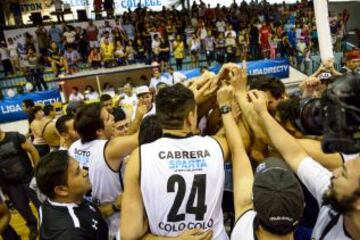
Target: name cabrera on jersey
182,183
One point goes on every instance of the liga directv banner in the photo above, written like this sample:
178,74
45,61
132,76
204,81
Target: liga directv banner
278,68
10,109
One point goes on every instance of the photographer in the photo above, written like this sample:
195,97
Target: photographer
337,193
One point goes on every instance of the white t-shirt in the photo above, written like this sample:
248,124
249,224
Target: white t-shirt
316,178
127,101
176,77
220,25
155,44
4,53
349,157
92,96
70,36
76,98
155,81
232,32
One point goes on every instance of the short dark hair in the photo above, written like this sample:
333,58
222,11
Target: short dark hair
29,103
265,83
289,110
47,109
119,114
173,105
105,97
51,171
33,111
88,121
150,130
61,123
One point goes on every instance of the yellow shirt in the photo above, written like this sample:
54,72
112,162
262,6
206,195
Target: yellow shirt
107,51
179,50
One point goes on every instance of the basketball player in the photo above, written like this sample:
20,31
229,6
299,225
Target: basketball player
103,159
178,180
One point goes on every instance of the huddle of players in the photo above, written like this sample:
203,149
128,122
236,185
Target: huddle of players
174,181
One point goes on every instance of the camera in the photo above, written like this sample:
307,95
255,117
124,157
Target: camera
336,115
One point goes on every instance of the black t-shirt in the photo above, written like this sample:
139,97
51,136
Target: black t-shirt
54,54
254,35
72,222
15,165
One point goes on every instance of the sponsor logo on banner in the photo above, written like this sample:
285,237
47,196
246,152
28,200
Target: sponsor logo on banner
278,68
10,109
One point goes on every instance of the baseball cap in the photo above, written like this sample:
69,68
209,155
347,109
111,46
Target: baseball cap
277,196
142,89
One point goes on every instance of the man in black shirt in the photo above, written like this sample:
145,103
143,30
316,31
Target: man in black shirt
66,214
55,58
16,173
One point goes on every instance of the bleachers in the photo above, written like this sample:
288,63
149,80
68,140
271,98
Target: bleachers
52,81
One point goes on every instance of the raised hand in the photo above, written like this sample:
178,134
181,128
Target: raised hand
258,100
238,77
225,95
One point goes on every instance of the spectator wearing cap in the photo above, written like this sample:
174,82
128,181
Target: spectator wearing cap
269,204
145,97
352,62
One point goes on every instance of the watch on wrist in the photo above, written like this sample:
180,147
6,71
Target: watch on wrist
225,109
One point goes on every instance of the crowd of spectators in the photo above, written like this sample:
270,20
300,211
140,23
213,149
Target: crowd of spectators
241,31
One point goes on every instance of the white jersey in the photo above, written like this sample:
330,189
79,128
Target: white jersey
106,183
329,224
244,227
182,184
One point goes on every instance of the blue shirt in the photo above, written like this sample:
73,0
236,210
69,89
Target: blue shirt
55,34
292,38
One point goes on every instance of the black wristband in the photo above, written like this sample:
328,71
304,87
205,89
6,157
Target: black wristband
225,109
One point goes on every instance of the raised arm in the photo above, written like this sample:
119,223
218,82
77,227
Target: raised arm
133,224
313,149
243,177
287,145
118,148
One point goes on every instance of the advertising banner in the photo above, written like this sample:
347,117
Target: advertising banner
277,67
10,108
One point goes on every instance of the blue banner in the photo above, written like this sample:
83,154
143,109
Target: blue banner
10,108
278,68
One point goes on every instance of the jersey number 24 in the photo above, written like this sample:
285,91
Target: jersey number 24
198,188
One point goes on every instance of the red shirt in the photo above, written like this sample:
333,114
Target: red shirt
264,34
